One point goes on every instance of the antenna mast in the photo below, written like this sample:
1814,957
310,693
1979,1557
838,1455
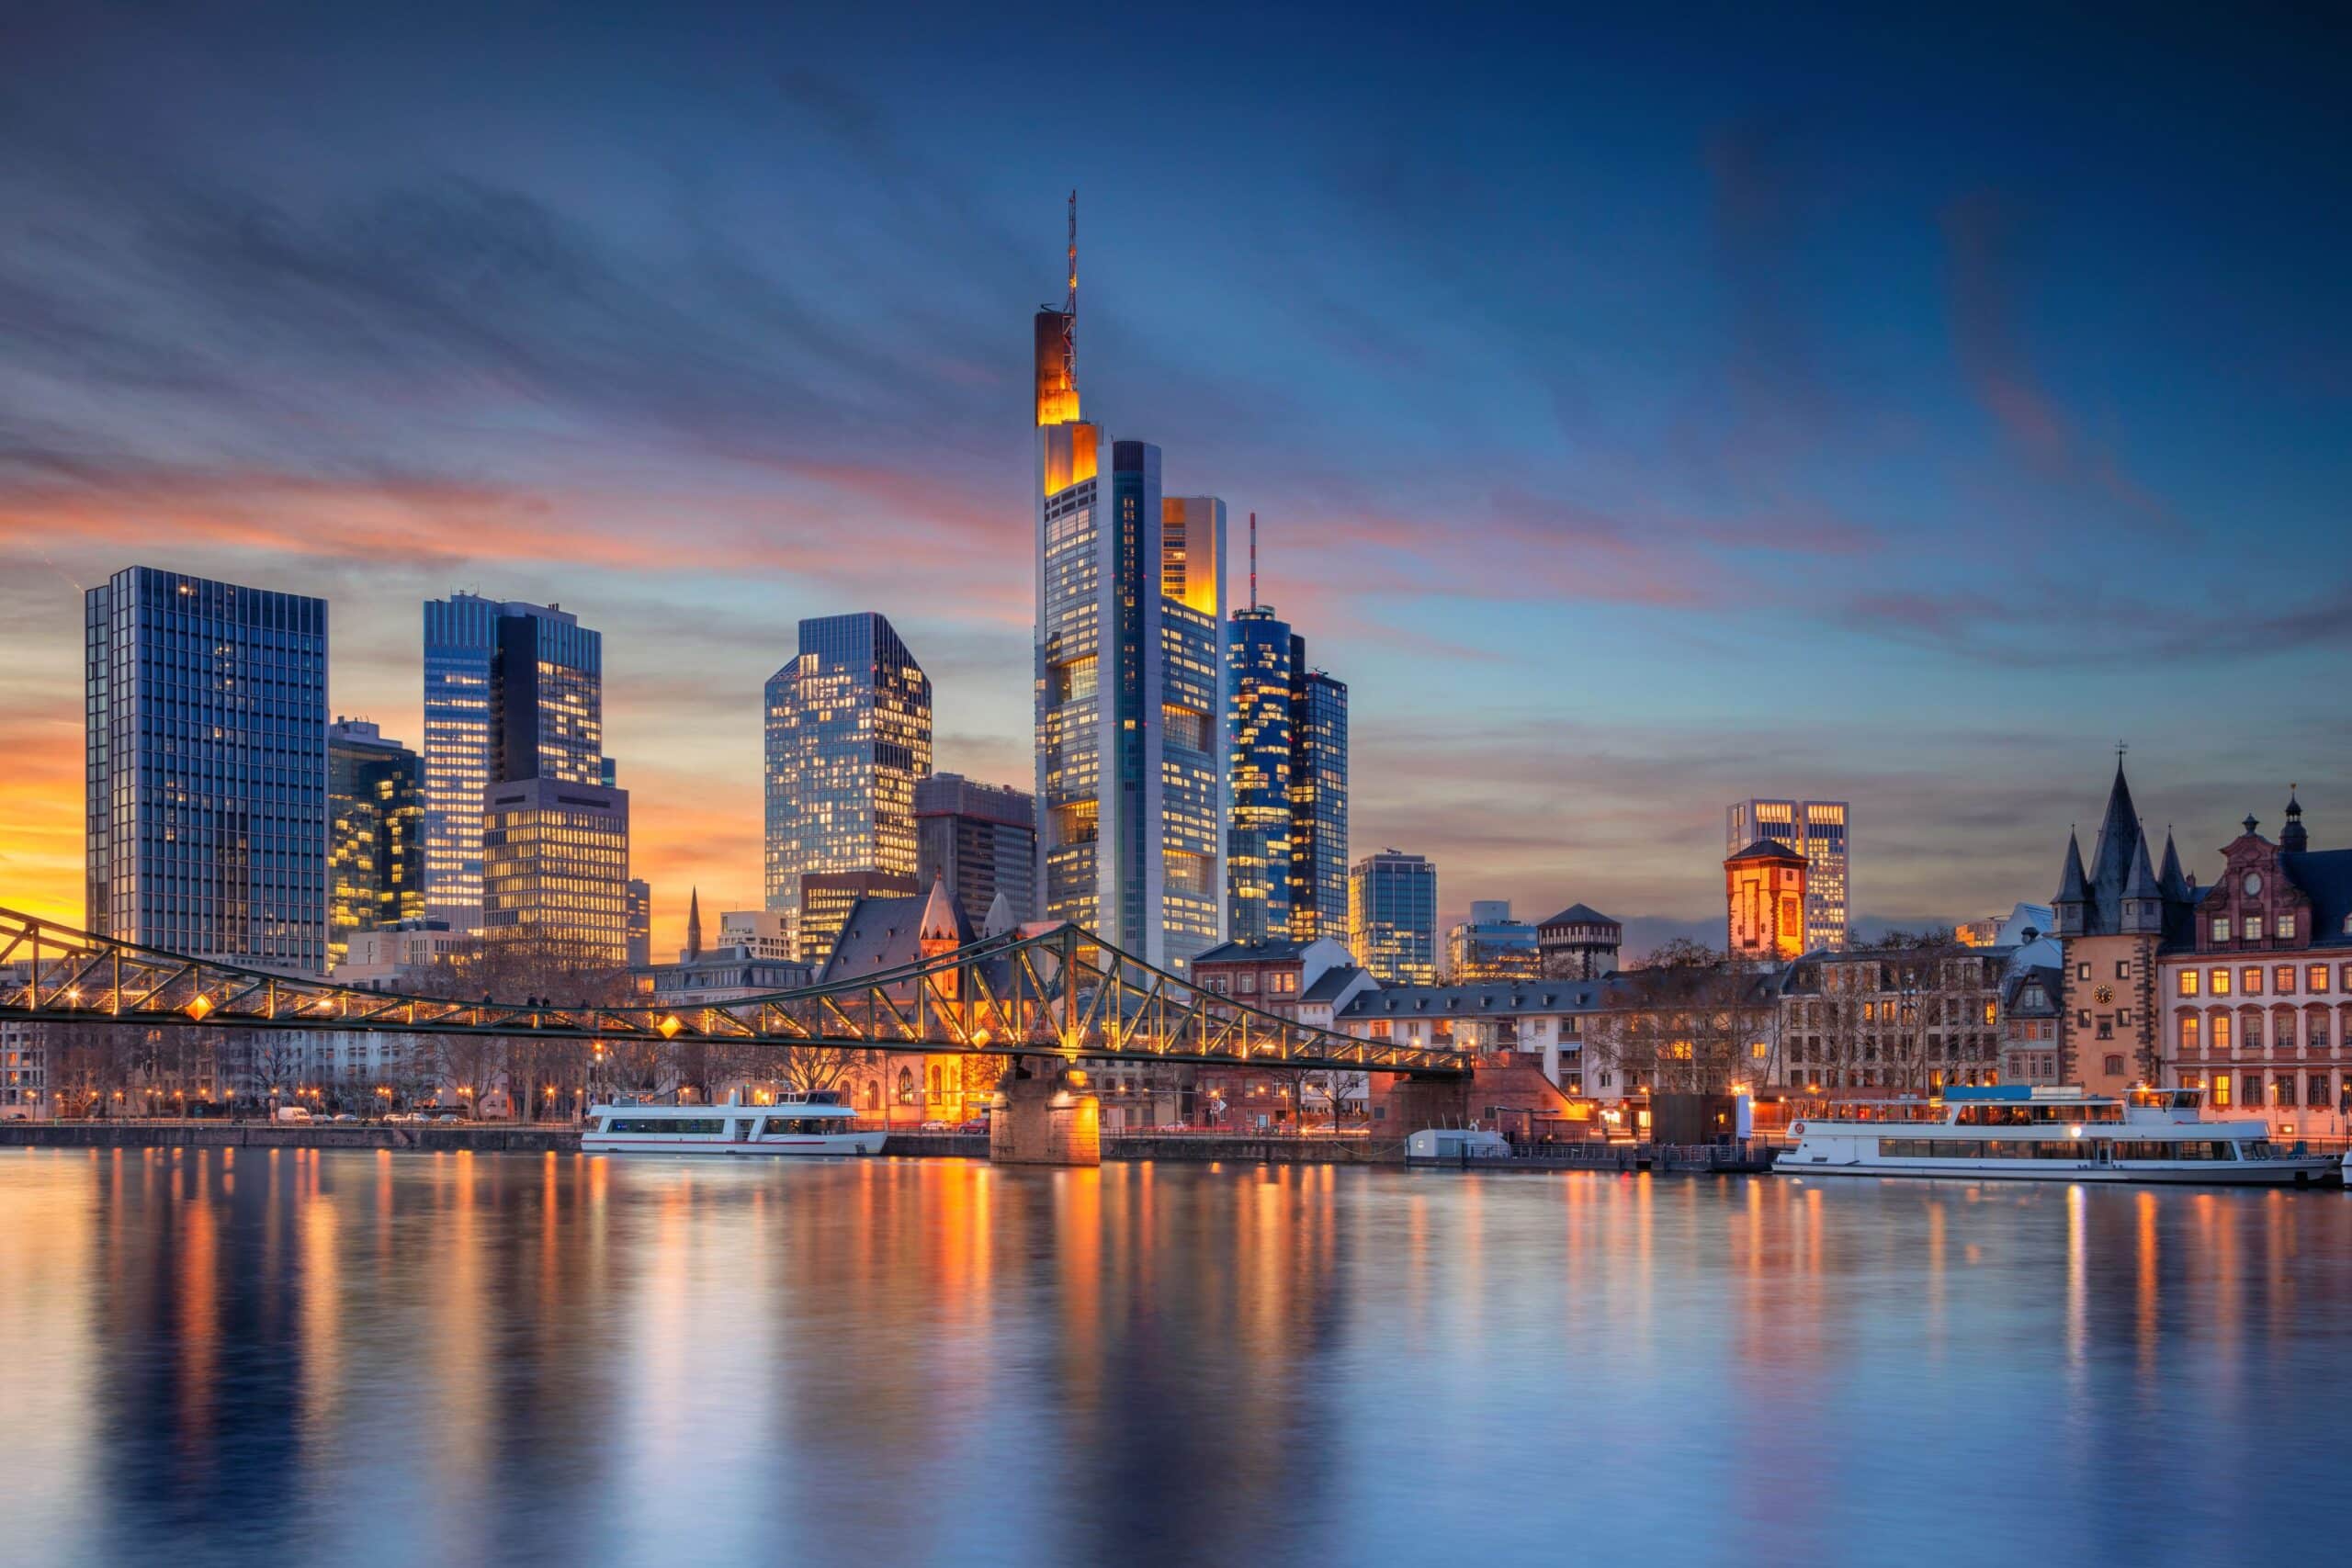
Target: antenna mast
1253,560
1070,308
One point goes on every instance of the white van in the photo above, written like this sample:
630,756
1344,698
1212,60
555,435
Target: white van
293,1114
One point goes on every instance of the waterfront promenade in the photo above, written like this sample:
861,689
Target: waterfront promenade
523,1137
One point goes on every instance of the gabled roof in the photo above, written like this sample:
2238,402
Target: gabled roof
1766,849
1579,915
883,933
2325,877
1271,951
1328,985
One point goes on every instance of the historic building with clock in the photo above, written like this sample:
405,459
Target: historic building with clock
2113,919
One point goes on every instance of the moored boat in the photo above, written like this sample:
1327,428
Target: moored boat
2020,1132
814,1124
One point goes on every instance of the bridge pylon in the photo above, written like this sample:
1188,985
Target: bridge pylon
1046,1112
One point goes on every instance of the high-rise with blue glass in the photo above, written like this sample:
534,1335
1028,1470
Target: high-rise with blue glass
1130,682
207,768
848,734
1319,800
1392,918
511,691
1286,835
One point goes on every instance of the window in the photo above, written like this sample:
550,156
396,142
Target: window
2315,979
2220,982
2315,1031
2250,981
2082,1018
2221,928
2282,979
2221,1031
2252,1036
2189,987
2221,1086
2284,1090
2082,971
1246,982
2253,928
2123,969
2319,1089
1992,1012
2123,1017
2105,1029
2113,1066
2189,1032
2253,1088
2285,927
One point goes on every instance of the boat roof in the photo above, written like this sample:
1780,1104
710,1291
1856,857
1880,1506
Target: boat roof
2018,1091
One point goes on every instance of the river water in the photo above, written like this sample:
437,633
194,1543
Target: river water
302,1357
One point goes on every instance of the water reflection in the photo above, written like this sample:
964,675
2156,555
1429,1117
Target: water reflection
458,1358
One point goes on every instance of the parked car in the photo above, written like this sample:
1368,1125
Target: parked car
977,1125
405,1118
447,1120
939,1126
293,1114
344,1116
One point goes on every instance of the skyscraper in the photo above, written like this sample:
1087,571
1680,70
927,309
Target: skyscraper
1258,844
1319,800
1392,918
555,868
375,827
848,734
1130,680
979,839
1816,830
207,766
511,691
640,922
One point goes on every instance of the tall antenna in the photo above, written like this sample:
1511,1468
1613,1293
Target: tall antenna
1253,560
1069,308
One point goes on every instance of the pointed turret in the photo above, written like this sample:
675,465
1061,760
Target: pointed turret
1001,918
2170,880
938,923
694,923
2110,867
2072,905
2291,837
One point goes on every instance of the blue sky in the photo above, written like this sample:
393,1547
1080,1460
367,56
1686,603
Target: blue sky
1640,410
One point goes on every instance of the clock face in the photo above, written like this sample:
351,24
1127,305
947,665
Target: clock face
2105,995
2253,883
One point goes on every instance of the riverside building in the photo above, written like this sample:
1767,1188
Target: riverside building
206,709
1130,678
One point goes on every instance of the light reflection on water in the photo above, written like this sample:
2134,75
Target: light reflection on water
363,1358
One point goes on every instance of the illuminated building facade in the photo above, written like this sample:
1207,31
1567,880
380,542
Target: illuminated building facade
1258,719
1319,800
1392,918
848,738
640,923
555,868
1130,684
1764,898
1815,829
511,691
825,898
207,768
375,833
977,841
1490,945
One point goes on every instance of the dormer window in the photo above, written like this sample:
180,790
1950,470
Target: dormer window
2285,927
2221,927
2253,928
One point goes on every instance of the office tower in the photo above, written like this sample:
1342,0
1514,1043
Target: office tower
1319,800
979,839
1816,830
640,922
511,691
555,868
207,768
848,734
823,900
375,833
1490,945
1130,682
1258,844
1392,918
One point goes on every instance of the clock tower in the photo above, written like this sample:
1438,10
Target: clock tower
2112,917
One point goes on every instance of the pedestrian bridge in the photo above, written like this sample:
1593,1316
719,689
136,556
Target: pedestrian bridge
1062,993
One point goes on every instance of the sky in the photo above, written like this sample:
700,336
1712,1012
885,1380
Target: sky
1642,412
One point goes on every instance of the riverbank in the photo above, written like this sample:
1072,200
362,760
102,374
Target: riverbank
496,1137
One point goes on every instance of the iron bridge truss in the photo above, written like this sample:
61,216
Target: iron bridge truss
1061,993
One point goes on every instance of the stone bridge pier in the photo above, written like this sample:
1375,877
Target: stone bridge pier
1419,1101
1045,1113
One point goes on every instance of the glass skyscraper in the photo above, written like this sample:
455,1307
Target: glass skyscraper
848,734
979,841
1130,684
555,869
1257,874
206,705
375,845
1816,830
1392,918
511,691
1319,800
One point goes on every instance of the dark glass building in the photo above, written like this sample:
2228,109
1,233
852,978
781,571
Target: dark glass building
555,868
1258,844
375,843
1318,801
978,839
1392,918
511,691
848,736
207,752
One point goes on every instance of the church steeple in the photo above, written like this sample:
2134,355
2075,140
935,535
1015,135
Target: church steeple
2072,905
694,923
2291,837
2170,879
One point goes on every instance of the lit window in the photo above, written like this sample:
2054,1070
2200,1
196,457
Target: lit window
2250,981
2285,927
2220,982
2189,1022
2253,928
2282,979
2189,982
2315,978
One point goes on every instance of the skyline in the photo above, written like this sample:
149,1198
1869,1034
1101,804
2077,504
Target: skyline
2039,425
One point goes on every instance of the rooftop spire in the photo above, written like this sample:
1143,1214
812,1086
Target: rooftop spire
694,923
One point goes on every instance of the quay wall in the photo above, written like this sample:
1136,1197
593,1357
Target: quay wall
488,1138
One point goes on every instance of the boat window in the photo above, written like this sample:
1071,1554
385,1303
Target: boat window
803,1126
664,1124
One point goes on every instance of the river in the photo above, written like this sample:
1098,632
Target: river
370,1358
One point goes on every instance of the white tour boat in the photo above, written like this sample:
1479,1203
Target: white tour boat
2017,1132
814,1124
